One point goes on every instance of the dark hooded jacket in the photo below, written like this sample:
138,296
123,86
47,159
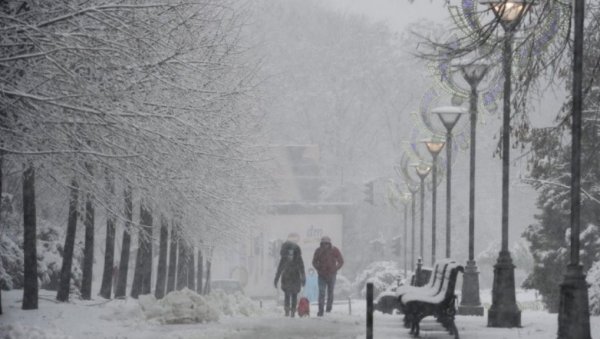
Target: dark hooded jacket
327,260
290,268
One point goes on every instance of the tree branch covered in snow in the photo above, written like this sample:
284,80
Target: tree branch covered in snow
158,94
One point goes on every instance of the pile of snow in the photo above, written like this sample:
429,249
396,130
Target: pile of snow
381,273
235,304
18,331
179,307
185,307
593,278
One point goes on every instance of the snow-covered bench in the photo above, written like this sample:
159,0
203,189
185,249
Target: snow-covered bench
420,303
389,300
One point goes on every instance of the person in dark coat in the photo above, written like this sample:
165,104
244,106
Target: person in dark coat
291,271
327,261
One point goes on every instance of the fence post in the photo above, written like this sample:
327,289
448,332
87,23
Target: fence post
369,310
349,306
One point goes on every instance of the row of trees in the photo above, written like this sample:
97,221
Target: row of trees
116,103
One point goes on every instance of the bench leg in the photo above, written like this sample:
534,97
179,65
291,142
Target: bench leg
417,316
454,330
406,320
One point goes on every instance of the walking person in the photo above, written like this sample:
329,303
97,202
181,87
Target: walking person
291,271
327,261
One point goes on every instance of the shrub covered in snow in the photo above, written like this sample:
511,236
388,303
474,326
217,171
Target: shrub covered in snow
593,278
343,287
49,251
49,255
381,273
11,270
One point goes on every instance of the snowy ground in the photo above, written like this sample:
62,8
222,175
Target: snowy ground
120,319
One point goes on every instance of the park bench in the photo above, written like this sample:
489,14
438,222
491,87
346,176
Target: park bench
390,299
441,304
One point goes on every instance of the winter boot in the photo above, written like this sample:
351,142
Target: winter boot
293,314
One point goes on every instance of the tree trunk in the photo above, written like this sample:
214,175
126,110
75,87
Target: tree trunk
109,247
1,281
199,273
143,260
207,283
146,218
136,286
161,271
182,265
172,259
88,250
30,279
191,269
64,286
121,288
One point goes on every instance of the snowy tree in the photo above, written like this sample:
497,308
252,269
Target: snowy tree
153,95
593,278
550,175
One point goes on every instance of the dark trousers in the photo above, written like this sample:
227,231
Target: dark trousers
289,303
326,283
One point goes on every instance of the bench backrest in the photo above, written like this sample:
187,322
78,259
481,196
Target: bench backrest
449,280
437,275
440,272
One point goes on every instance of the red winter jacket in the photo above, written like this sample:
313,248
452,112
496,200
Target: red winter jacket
327,260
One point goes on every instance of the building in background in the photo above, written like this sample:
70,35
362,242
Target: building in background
295,206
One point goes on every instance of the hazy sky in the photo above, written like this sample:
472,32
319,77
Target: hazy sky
396,13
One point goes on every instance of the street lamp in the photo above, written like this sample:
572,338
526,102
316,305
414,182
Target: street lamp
434,146
574,310
470,303
422,170
504,311
413,189
449,116
405,198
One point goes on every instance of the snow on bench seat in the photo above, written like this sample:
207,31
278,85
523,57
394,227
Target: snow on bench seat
419,304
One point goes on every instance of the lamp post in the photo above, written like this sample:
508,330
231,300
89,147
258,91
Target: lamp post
470,303
504,311
422,171
573,311
413,189
406,197
449,116
434,146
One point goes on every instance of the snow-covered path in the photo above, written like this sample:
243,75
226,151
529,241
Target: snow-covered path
119,319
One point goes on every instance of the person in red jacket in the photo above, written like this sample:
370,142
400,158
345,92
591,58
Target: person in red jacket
327,261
